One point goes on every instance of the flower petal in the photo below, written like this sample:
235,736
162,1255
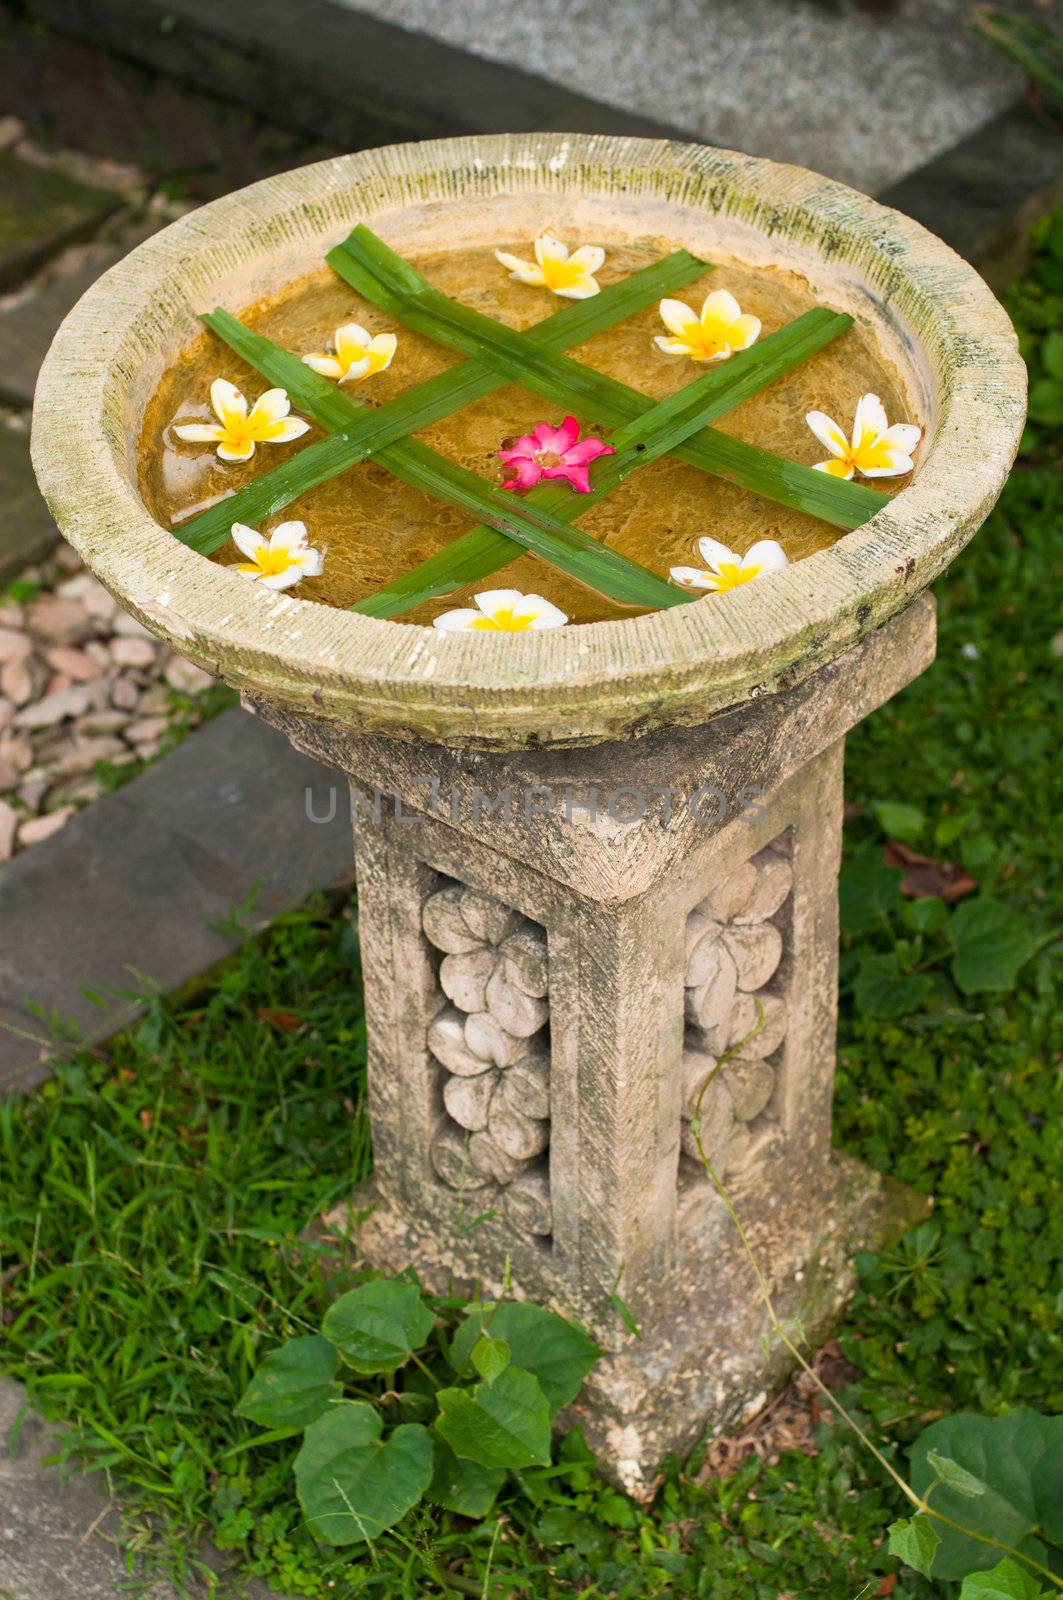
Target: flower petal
672,347
745,331
351,341
382,351
200,432
270,407
547,248
241,452
903,436
356,370
589,256
327,365
492,600
899,464
767,554
283,580
692,578
575,474
870,420
588,450
527,473
835,468
513,263
227,401
714,554
457,621
287,534
720,306
284,431
583,289
677,317
247,540
827,432
542,612
564,436
312,562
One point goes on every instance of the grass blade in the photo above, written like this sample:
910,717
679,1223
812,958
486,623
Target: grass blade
480,552
391,283
358,431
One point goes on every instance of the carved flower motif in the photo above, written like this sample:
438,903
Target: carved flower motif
724,570
553,453
280,561
571,276
502,611
237,431
876,450
722,328
355,354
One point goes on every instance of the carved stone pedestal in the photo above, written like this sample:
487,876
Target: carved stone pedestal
558,949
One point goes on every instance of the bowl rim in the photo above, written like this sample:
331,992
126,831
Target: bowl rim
585,682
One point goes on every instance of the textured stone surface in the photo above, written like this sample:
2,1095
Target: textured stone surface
621,924
904,82
27,530
41,209
126,896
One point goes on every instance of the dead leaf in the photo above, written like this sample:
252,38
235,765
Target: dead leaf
283,1021
927,879
887,1586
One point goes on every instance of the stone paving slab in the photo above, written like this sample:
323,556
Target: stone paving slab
124,897
60,1535
27,532
42,209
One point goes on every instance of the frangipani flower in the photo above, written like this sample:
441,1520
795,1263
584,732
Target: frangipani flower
236,432
726,570
876,450
571,276
358,354
722,328
502,611
553,453
281,560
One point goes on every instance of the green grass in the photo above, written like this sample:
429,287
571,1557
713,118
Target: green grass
151,1196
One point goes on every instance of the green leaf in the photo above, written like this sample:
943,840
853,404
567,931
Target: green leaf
881,989
500,1424
463,1486
490,1357
1052,353
352,1485
1016,1457
957,1477
1006,1581
376,1326
926,916
914,1541
293,1385
362,431
899,821
991,944
558,1352
868,890
391,283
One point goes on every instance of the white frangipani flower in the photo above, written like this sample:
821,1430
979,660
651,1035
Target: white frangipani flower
724,570
280,561
502,611
722,328
237,431
875,451
571,276
358,354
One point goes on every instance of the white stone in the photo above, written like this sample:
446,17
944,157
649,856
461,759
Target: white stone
55,707
519,1013
775,879
8,830
14,646
444,924
186,678
468,1100
37,829
756,948
132,652
728,898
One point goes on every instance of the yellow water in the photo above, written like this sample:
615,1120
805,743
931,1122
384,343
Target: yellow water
373,528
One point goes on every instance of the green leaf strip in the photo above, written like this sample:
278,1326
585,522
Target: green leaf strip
358,431
389,282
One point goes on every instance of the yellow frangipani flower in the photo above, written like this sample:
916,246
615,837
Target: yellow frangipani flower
724,570
281,560
502,611
875,450
236,432
570,276
722,328
358,354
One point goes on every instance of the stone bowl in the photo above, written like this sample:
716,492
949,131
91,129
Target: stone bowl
931,315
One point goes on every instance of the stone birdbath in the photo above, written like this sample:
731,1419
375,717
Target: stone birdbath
592,860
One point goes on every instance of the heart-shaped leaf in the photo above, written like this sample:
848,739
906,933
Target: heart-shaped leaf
501,1424
559,1353
1006,1581
490,1357
1015,1457
914,1541
463,1486
293,1385
376,1326
352,1485
991,945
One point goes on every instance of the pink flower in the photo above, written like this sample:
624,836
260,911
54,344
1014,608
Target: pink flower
553,453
